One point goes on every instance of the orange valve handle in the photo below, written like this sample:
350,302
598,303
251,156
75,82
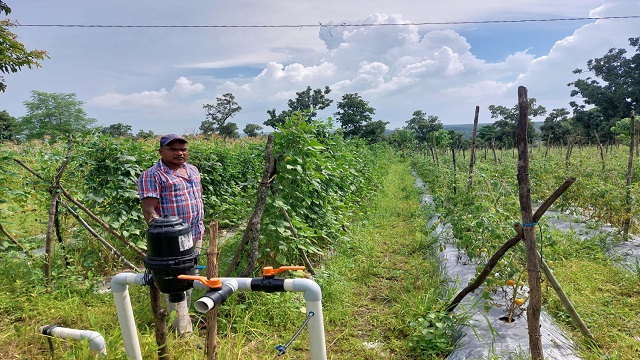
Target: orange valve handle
213,283
270,271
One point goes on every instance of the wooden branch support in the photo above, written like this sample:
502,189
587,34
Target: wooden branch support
13,240
160,321
533,264
493,261
252,232
577,320
87,211
212,272
626,224
55,195
472,155
97,236
301,252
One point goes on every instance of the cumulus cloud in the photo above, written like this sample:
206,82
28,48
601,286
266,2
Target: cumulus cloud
185,87
398,67
162,98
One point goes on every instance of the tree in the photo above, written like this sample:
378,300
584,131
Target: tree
622,129
616,90
423,125
442,138
354,115
229,130
487,133
225,108
590,122
373,132
457,140
145,135
13,55
54,115
8,126
507,118
403,139
252,130
307,102
117,130
557,127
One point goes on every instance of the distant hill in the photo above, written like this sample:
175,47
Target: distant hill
467,129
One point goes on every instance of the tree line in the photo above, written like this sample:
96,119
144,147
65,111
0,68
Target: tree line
609,97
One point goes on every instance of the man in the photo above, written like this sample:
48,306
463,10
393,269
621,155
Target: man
172,187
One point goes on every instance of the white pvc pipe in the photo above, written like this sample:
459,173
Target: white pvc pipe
205,304
311,290
313,298
96,340
120,289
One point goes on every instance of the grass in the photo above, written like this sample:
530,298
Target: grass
606,297
382,295
603,292
383,278
375,286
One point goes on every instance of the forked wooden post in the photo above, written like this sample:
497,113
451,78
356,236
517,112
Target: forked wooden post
493,261
533,264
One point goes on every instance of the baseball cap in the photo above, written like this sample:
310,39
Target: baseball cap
171,137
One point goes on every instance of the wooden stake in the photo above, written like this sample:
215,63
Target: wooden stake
159,319
577,321
212,272
472,155
533,265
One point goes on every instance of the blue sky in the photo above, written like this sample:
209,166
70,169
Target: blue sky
158,78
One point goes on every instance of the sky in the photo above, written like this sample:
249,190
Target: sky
441,57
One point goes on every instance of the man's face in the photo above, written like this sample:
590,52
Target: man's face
175,153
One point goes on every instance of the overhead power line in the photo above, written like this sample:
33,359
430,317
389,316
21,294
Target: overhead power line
335,25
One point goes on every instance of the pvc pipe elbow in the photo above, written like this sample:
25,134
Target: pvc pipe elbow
121,281
96,340
310,288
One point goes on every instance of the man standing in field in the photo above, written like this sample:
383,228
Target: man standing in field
172,187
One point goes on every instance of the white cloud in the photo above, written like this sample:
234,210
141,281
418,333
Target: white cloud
185,87
114,101
162,98
160,78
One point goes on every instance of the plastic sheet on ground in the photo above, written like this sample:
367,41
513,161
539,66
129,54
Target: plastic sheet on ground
508,340
488,336
629,250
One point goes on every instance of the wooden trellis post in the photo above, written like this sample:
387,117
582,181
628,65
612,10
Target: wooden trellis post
529,234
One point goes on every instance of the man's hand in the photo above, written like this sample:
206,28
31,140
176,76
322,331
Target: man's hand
152,219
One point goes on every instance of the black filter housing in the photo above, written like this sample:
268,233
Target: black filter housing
171,252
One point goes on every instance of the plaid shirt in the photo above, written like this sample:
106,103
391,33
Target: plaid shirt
178,196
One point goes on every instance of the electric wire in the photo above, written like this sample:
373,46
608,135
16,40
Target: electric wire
321,25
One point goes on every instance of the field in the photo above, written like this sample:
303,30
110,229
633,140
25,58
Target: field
600,283
358,217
